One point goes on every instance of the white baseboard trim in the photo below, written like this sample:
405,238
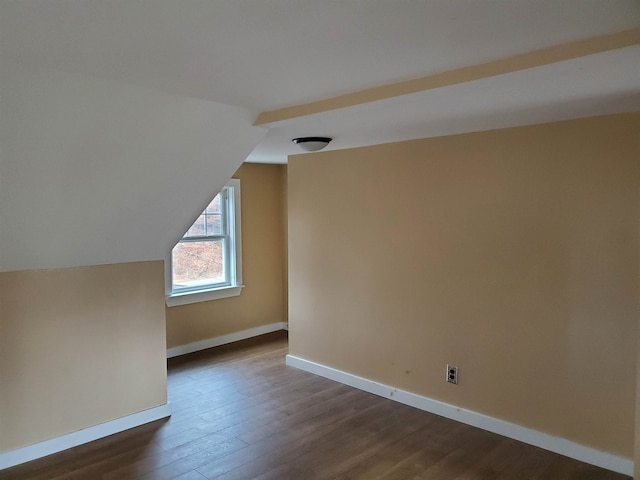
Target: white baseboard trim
18,456
495,425
224,339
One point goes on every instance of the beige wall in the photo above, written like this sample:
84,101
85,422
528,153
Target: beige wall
636,464
285,243
261,301
79,347
512,254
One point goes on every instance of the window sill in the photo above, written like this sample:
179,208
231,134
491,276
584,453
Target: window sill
203,296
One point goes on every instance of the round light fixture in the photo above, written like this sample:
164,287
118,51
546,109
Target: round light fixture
312,144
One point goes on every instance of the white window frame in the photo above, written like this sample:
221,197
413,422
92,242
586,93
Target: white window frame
233,262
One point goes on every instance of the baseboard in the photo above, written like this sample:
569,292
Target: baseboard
15,457
491,424
224,339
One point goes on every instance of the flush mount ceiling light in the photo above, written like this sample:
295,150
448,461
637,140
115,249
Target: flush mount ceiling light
312,144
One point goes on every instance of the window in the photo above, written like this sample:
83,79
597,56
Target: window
206,263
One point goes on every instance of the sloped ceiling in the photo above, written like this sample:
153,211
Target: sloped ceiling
95,171
120,119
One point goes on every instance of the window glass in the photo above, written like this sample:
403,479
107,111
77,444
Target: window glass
208,257
198,263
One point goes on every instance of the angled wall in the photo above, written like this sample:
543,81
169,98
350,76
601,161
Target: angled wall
98,179
94,171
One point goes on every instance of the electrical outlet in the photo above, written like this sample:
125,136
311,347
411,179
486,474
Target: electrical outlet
452,374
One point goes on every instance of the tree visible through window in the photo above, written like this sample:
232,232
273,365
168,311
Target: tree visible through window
207,256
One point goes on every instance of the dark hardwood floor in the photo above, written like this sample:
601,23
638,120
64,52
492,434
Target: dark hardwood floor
240,413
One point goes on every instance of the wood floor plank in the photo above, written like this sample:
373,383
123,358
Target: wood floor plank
240,413
388,457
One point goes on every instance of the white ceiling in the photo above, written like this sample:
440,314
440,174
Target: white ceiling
269,54
598,84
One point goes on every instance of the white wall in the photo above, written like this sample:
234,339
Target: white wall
96,172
